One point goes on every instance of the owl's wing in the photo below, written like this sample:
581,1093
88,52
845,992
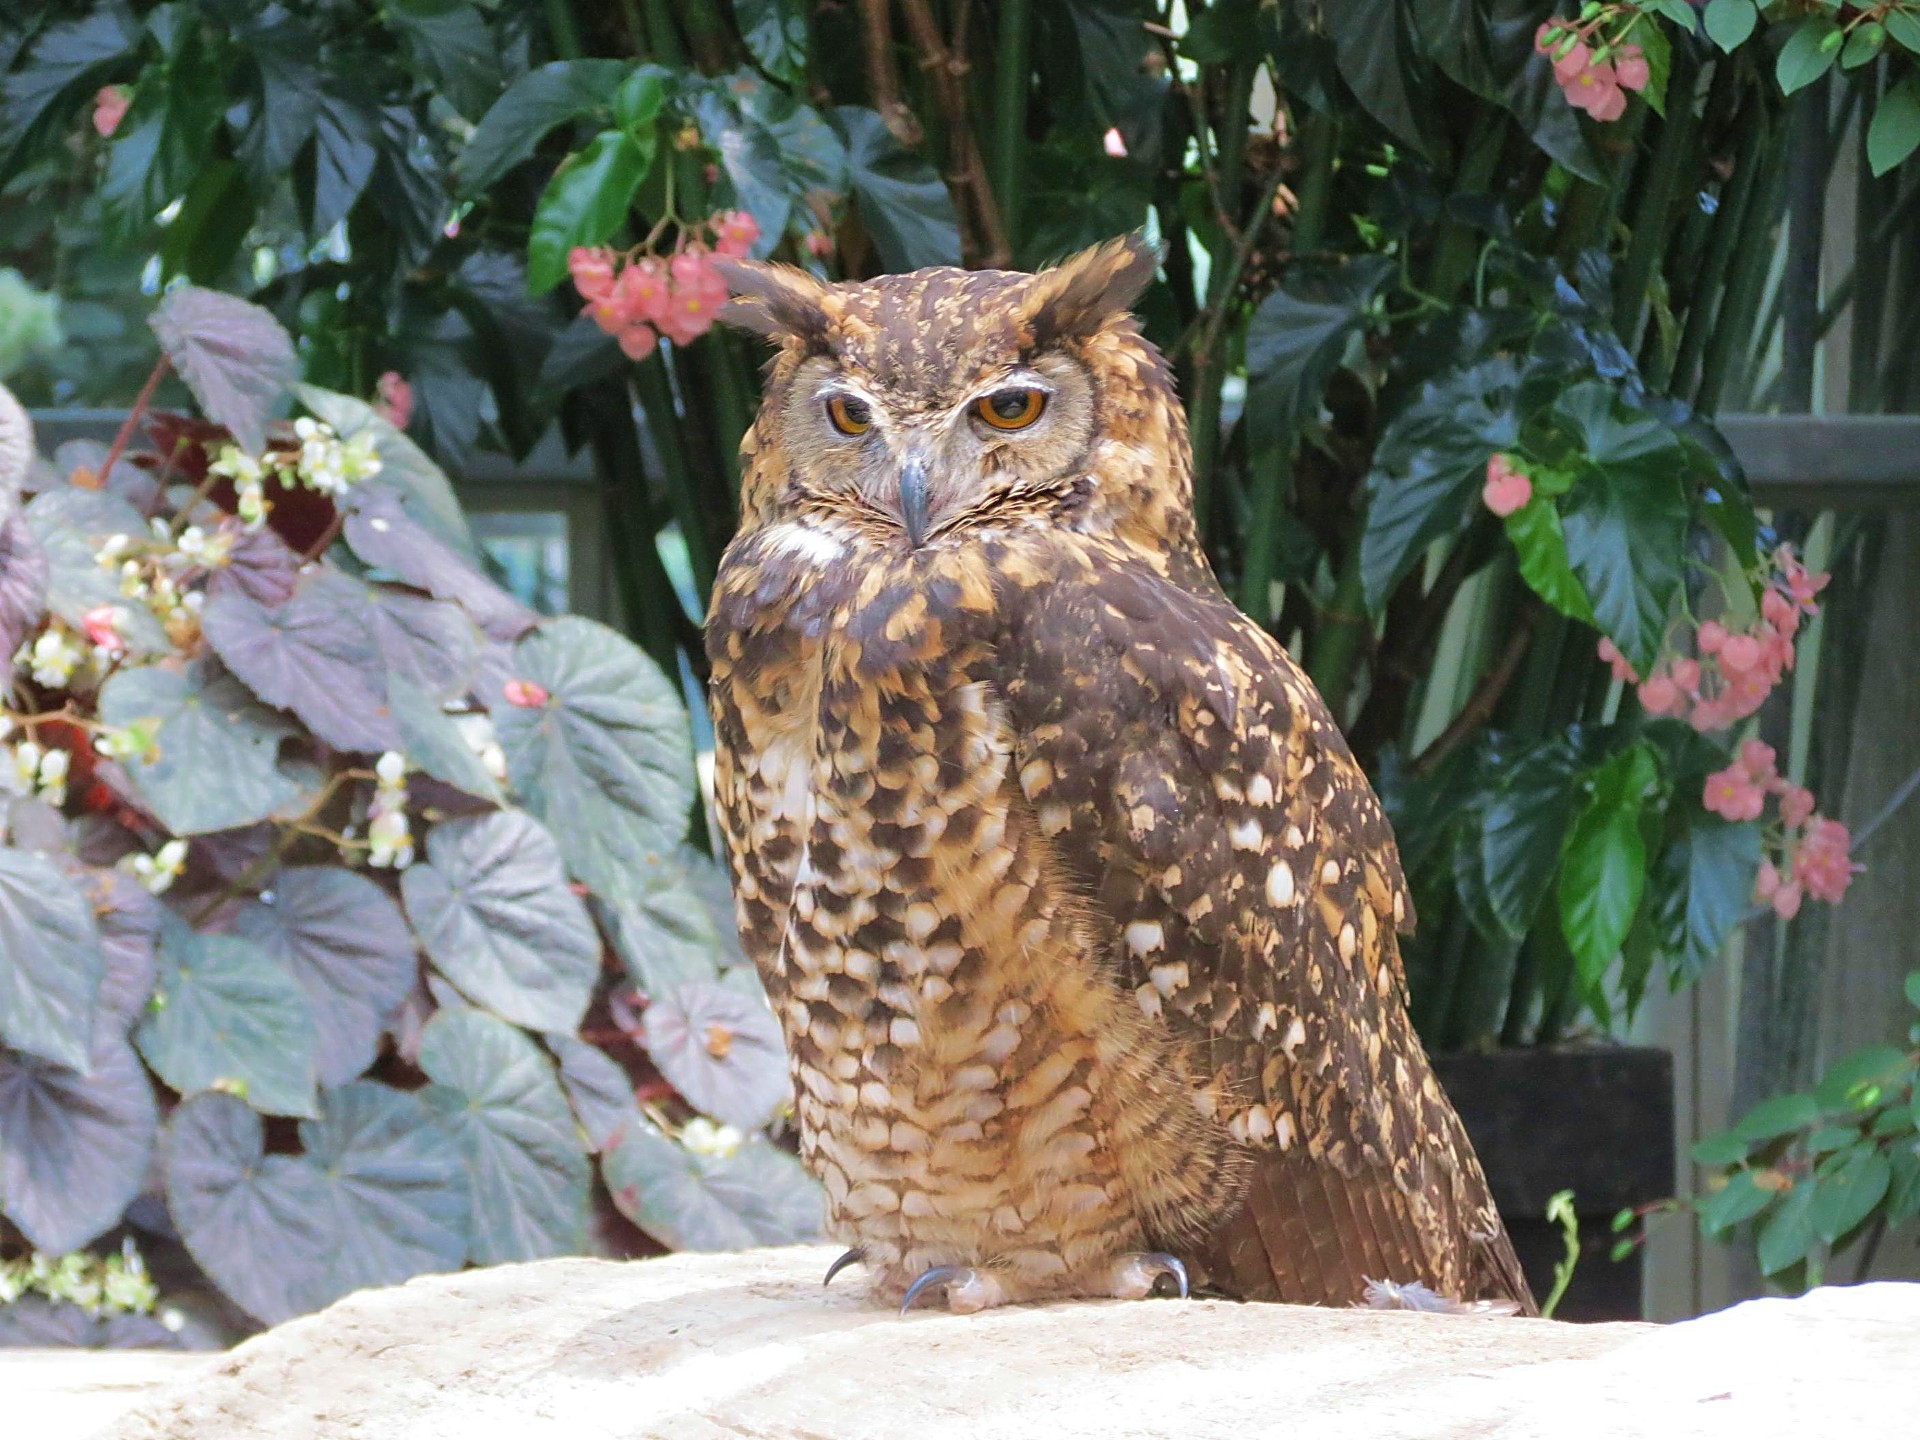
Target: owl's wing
1196,786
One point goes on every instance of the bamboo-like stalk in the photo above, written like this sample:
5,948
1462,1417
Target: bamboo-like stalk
1744,286
1653,216
1807,160
1011,76
646,595
663,35
683,495
1865,285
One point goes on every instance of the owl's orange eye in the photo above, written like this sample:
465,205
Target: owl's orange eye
1012,409
850,415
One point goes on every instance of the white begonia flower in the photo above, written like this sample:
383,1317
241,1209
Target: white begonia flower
54,658
703,1137
391,768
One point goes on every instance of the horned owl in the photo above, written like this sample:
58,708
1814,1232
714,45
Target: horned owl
1078,914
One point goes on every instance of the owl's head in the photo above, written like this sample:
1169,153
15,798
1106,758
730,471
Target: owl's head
921,405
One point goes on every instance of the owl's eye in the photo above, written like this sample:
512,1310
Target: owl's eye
850,415
1012,409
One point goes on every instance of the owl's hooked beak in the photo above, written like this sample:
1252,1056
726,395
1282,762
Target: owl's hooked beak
913,498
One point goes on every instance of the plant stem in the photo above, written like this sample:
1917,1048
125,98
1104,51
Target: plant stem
1744,286
1344,627
1010,80
562,29
1455,250
1653,217
664,36
1736,205
683,494
1486,696
124,436
1806,229
645,593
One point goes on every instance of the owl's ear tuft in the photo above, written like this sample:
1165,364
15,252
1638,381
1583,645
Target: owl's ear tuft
781,302
1085,291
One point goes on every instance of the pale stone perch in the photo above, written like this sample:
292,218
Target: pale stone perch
697,1346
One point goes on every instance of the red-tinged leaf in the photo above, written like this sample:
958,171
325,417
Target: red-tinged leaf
721,1049
234,356
23,583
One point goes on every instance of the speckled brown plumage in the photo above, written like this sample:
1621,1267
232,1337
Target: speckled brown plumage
1078,914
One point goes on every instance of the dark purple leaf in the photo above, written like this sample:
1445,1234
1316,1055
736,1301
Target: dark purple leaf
429,642
349,947
129,920
377,1197
600,1091
261,566
234,356
34,1322
390,540
23,583
720,1049
497,1093
756,1195
434,744
492,907
74,1146
50,959
312,655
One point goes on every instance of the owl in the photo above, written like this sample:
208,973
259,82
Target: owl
1078,915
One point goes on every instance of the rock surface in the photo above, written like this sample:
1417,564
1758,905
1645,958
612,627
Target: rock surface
699,1346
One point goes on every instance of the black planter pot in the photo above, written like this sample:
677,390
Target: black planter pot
1596,1120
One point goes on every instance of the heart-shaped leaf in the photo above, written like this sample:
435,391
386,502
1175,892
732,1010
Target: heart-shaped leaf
74,1146
604,761
756,1195
313,654
388,538
260,566
491,905
234,356
215,763
50,959
35,1323
348,946
71,526
497,1094
599,1090
1297,338
23,582
407,473
378,1197
226,1015
720,1049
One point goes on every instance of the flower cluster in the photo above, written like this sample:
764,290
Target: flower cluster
110,108
323,462
110,1285
639,298
1810,851
157,571
41,771
1508,488
390,841
1735,669
1594,73
159,870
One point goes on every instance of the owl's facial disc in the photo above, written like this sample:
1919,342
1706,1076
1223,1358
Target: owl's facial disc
935,462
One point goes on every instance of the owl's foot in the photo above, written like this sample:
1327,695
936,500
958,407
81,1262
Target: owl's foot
853,1257
968,1290
1133,1276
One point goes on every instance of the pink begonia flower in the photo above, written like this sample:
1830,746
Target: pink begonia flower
1779,611
1739,653
1796,806
1786,900
102,624
1757,758
527,694
1630,68
1766,882
641,294
1802,585
1622,671
1114,143
1712,635
735,231
819,244
1821,864
592,272
1686,674
1732,794
1659,695
1507,489
110,108
638,341
393,399
1597,91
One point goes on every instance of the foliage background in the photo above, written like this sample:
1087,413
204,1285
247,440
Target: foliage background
1417,256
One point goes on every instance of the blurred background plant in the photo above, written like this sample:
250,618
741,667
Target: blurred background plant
1454,290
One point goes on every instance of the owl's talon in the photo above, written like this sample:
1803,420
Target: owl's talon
1134,1275
852,1257
968,1289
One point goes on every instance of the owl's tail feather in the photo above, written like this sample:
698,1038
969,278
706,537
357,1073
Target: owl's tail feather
1306,1234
